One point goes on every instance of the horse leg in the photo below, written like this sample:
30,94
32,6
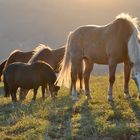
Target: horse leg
127,71
50,90
80,76
112,70
47,90
74,72
43,91
13,95
6,90
23,93
35,92
87,71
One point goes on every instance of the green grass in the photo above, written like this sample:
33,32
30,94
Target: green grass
61,119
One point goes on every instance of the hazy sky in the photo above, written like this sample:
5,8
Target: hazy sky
24,24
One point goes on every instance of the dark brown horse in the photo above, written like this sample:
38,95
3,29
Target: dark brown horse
116,42
16,56
29,76
41,52
51,56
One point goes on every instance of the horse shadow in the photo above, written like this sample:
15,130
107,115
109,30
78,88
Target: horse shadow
60,118
11,112
133,103
61,112
91,129
87,120
119,119
135,107
57,111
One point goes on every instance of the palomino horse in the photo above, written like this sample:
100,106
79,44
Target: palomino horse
29,76
15,56
116,42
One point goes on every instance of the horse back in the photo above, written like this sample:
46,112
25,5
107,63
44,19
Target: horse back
19,56
98,43
46,71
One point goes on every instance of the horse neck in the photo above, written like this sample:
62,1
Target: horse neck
58,54
40,55
28,55
23,57
10,60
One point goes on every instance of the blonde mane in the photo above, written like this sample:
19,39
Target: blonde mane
39,49
132,20
15,51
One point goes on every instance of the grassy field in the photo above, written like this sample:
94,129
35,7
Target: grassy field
61,119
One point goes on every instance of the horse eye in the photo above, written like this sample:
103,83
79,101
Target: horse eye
136,73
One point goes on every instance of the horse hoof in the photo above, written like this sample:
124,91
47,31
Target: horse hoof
43,98
127,96
21,99
110,99
54,97
14,105
89,97
81,90
33,102
74,99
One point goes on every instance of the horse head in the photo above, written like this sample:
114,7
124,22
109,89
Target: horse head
54,89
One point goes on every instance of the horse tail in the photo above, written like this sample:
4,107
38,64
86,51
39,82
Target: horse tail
6,89
2,67
65,74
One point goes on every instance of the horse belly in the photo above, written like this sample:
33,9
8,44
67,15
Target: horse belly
102,60
97,55
24,81
25,84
